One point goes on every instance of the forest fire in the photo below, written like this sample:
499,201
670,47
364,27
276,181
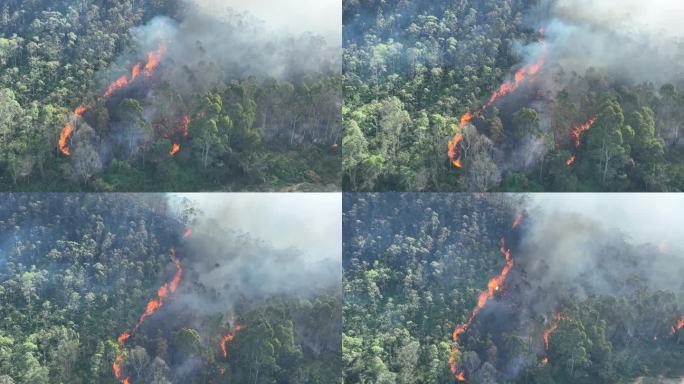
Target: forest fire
175,148
494,285
679,325
153,59
152,307
576,134
558,317
187,233
520,77
68,130
454,153
228,338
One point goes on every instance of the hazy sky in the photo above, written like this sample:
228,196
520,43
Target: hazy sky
655,218
311,222
323,17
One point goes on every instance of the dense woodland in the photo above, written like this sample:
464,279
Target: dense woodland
78,270
413,68
414,265
255,133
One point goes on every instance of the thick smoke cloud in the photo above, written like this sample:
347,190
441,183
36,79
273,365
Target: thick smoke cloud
255,246
635,41
214,44
582,244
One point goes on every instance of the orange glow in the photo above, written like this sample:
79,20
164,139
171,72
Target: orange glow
517,220
187,233
80,110
493,286
571,160
577,131
153,59
175,148
64,137
679,325
454,153
228,338
558,317
152,306
521,76
545,360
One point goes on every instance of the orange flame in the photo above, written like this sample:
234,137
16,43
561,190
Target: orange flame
228,338
64,136
571,160
187,233
519,78
175,148
577,131
152,306
493,286
558,317
454,153
153,59
68,130
679,325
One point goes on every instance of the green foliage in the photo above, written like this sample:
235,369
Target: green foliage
433,61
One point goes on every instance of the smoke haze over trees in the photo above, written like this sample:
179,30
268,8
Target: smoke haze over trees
77,270
412,70
234,102
414,265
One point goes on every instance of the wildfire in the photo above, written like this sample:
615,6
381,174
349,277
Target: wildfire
493,286
558,317
152,306
153,59
679,325
68,130
175,148
228,338
576,134
454,154
520,77
577,131
187,233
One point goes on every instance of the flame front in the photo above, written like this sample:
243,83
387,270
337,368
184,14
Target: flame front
493,286
152,306
454,153
558,317
153,59
68,130
520,77
228,338
576,134
187,233
175,148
